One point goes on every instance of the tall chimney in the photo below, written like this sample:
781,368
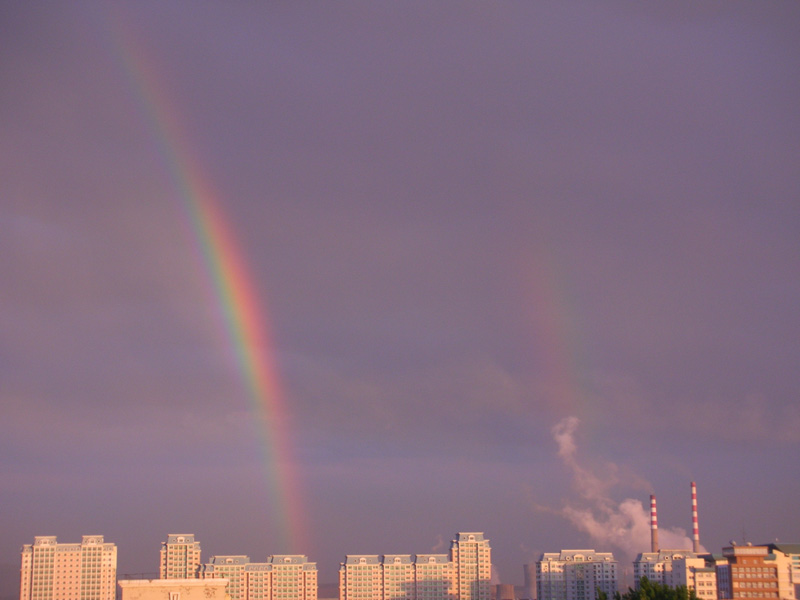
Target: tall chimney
653,525
695,528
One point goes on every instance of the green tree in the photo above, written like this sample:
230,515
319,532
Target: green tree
652,590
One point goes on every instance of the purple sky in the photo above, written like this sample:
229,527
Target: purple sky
521,262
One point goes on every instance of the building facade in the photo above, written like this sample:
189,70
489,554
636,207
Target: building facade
657,566
53,571
472,557
695,573
576,575
231,568
180,557
361,577
756,572
172,589
464,574
282,577
792,552
398,576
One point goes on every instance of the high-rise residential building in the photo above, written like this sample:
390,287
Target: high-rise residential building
434,577
463,575
472,556
576,575
657,566
695,573
231,568
361,577
755,572
53,571
398,576
293,578
180,557
282,577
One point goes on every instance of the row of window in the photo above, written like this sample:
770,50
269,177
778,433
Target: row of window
760,571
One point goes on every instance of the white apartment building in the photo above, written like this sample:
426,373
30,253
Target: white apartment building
282,577
657,566
53,571
361,577
398,576
435,577
696,574
678,567
463,575
180,557
576,575
472,556
231,568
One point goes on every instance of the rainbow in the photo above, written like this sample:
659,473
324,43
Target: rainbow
555,331
232,282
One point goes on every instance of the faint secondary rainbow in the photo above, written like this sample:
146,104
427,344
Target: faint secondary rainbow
555,335
244,320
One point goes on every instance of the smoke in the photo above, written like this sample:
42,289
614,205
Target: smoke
495,579
439,545
623,526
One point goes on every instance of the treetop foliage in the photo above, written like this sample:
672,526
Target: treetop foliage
651,590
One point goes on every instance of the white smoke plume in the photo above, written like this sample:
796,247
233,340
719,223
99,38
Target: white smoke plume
624,526
440,544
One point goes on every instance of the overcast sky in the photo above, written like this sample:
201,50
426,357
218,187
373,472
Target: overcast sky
516,264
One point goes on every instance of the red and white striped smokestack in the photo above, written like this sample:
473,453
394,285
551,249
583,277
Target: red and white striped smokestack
695,528
653,525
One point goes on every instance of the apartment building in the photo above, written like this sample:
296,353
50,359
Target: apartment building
180,557
695,573
54,571
464,574
576,575
281,577
472,557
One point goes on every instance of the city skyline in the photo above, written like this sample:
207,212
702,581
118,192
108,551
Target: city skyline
322,279
67,571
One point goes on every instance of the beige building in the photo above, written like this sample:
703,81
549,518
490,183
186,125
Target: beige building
472,557
792,552
361,578
657,566
575,575
173,589
180,557
53,571
696,574
398,576
465,574
678,567
282,577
